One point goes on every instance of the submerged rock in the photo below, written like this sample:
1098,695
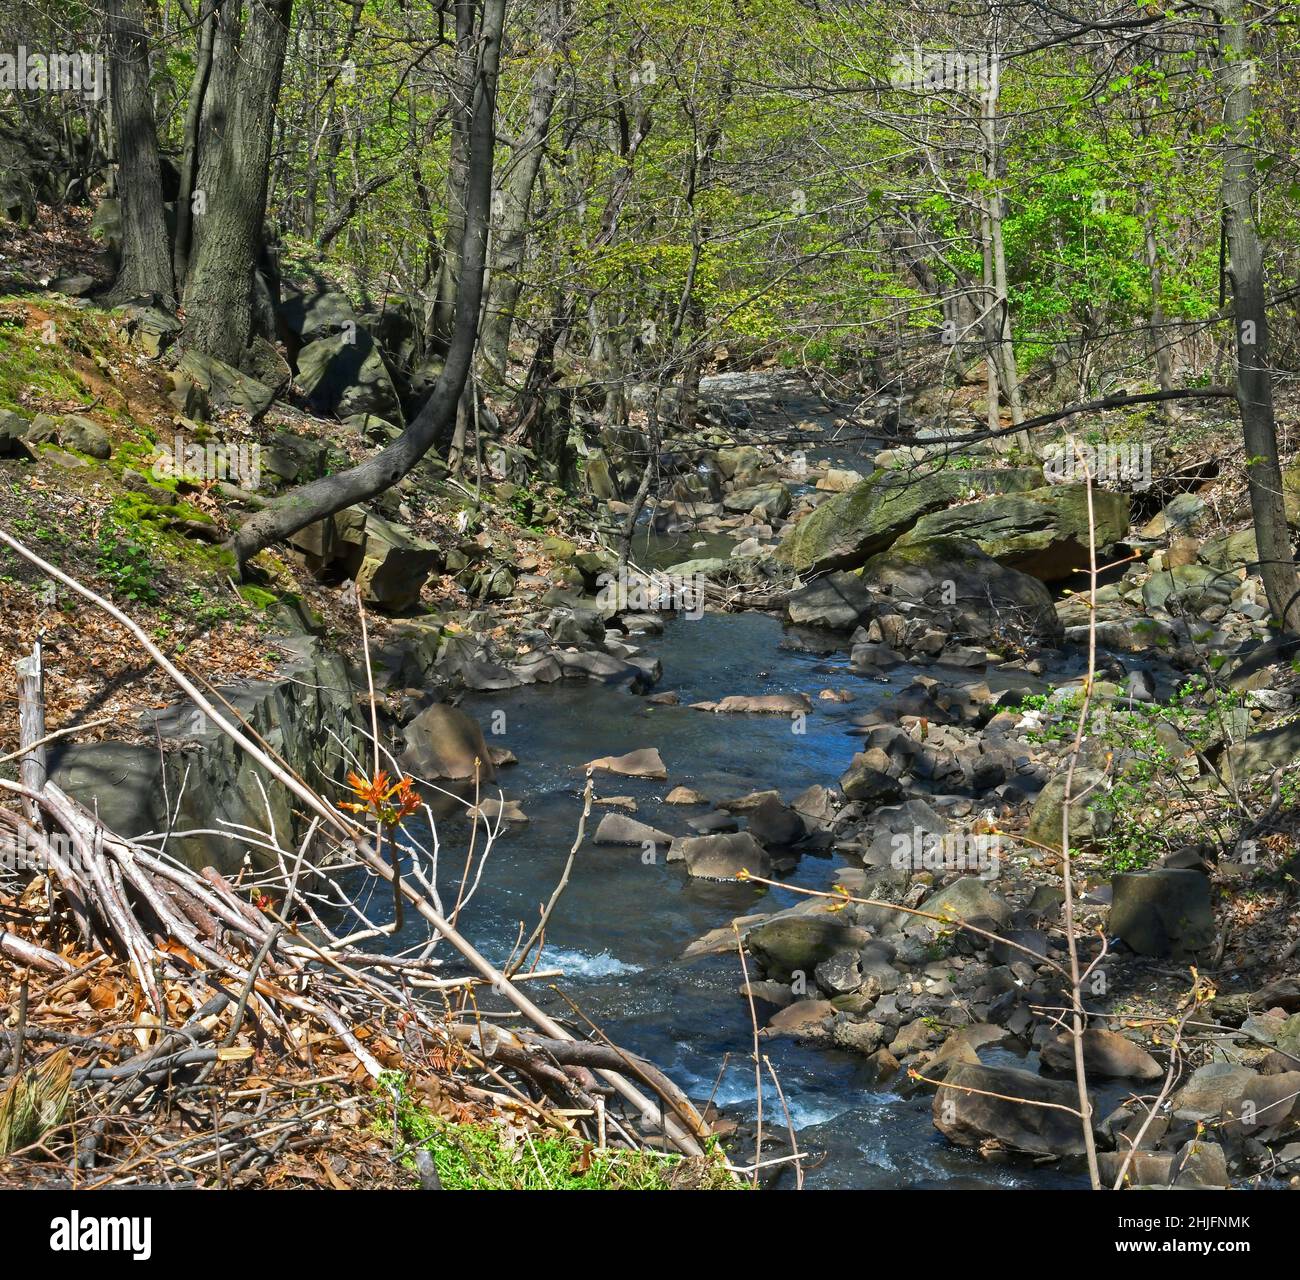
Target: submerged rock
768,704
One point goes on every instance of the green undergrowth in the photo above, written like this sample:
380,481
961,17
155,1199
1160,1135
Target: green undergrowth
43,360
492,1156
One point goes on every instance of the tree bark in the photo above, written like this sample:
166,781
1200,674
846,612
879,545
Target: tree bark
213,118
451,269
219,296
510,239
1005,352
1250,319
146,268
190,146
432,426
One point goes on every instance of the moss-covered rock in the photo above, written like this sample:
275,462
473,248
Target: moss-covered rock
849,528
1043,532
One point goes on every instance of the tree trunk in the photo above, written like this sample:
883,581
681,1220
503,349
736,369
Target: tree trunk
451,271
510,240
190,146
213,120
1159,341
1246,272
649,472
219,295
432,426
988,324
146,268
1005,351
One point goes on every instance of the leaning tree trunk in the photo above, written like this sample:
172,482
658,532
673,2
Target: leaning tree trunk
146,256
510,239
219,296
432,426
1246,271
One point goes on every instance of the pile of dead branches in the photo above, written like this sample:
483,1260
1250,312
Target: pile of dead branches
172,1025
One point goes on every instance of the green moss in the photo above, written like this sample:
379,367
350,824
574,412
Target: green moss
258,597
27,363
135,506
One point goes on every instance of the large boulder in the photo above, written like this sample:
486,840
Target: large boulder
740,464
345,375
334,546
1008,1110
723,857
1105,1053
444,742
1090,820
966,593
769,501
1261,752
323,313
395,566
775,824
1211,1088
966,898
1165,912
224,386
76,432
869,786
835,601
1043,533
204,783
797,942
847,529
30,172
1188,589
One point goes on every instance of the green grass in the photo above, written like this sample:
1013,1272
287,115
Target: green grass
500,1157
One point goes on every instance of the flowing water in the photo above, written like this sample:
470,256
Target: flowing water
622,925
